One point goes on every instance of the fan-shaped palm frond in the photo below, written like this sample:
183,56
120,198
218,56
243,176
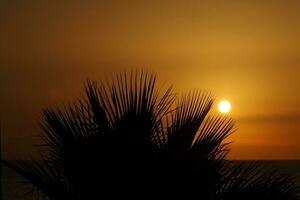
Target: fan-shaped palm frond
106,138
125,139
256,181
45,178
193,157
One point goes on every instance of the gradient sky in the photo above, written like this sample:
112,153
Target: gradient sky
245,51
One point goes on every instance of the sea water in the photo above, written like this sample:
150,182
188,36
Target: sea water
15,187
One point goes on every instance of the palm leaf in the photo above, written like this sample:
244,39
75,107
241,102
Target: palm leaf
124,139
256,181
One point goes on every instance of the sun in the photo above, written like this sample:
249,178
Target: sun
224,106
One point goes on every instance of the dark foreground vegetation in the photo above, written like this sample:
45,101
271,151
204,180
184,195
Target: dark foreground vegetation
127,140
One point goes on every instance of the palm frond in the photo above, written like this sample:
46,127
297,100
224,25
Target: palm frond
114,125
123,139
189,114
45,177
209,141
256,181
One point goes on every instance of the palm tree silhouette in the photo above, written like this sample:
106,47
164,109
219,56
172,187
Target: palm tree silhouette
124,139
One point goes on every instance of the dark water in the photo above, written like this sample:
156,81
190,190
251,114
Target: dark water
14,187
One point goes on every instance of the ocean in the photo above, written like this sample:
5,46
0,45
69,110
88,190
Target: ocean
15,187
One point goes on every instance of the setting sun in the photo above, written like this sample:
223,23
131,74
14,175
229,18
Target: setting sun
224,106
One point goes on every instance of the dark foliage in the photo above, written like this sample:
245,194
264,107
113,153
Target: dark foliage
127,140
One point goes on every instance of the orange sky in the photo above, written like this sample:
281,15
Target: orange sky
245,51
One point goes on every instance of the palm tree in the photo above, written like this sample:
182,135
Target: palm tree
124,139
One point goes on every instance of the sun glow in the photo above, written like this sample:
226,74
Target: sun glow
224,106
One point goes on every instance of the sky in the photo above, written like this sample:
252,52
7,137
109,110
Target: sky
245,51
